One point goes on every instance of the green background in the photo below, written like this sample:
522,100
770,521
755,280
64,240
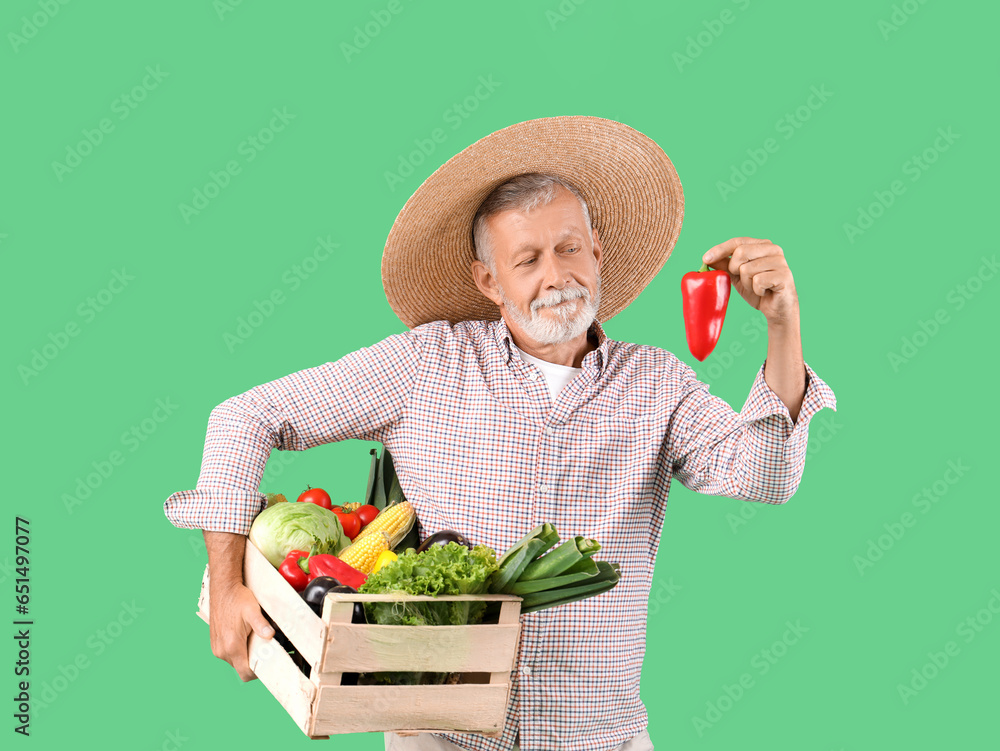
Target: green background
729,574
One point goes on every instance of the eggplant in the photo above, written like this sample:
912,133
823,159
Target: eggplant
316,591
358,614
443,538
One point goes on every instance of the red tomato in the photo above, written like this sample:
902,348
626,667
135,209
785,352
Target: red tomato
318,496
366,513
349,521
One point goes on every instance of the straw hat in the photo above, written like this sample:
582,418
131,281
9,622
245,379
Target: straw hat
633,192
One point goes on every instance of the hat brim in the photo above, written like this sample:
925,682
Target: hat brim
631,187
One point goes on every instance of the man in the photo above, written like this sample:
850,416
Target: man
505,405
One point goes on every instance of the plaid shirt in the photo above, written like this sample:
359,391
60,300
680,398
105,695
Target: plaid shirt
480,447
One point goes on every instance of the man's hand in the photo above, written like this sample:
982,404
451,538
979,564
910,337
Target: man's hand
759,272
234,613
233,609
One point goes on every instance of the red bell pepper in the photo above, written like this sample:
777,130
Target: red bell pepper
705,294
331,565
292,571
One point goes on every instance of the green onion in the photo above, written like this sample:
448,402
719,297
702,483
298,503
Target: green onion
505,577
585,570
605,580
542,530
566,555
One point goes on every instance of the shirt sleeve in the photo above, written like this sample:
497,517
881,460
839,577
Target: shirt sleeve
756,455
362,395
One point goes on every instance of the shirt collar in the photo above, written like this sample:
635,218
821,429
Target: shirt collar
593,361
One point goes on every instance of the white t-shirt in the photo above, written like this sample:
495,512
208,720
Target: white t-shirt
557,376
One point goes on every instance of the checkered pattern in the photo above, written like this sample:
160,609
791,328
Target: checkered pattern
479,447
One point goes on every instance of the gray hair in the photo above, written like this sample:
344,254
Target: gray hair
522,193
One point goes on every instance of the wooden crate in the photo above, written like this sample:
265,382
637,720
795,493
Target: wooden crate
484,654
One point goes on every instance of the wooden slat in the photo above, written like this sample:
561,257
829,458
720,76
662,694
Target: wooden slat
363,648
510,612
360,709
284,680
275,669
203,600
348,597
289,611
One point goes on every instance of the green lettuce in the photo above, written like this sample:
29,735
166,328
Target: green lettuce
449,569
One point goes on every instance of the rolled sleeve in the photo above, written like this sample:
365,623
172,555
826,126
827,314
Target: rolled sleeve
756,455
765,409
362,395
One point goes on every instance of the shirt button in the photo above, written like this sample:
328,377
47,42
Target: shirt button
543,487
549,431
526,670
533,376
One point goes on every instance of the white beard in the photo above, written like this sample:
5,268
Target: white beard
560,324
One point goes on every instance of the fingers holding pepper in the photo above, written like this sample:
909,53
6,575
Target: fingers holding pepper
760,273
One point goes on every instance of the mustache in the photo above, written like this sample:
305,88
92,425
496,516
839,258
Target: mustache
559,296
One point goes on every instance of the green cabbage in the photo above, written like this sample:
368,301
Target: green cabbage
297,526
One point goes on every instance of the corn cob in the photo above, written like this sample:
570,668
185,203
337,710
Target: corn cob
363,552
394,520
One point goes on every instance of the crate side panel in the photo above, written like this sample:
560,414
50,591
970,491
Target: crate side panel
283,679
383,709
360,648
294,617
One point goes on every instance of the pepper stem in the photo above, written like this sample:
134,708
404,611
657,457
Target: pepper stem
704,267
